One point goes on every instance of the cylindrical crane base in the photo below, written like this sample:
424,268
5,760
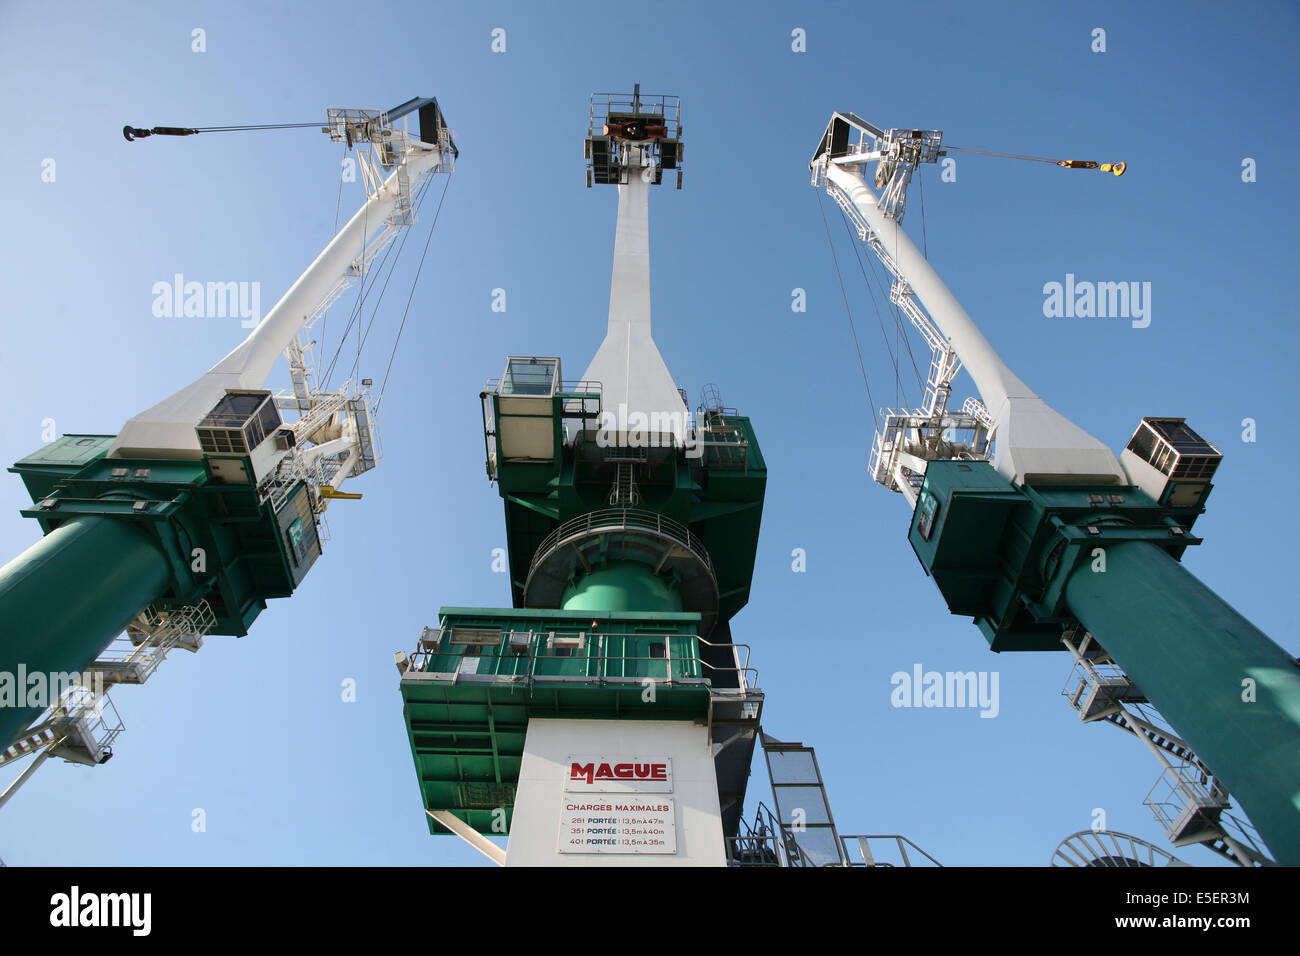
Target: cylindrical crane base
63,600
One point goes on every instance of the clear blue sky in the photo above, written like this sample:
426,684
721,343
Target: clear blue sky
254,731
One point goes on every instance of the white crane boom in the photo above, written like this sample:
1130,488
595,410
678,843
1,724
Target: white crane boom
1032,442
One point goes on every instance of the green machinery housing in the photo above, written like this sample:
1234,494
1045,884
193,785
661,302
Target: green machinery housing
1025,563
627,563
122,535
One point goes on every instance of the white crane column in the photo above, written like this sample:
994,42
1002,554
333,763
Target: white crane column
633,377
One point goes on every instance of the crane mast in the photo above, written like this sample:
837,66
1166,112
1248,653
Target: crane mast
632,532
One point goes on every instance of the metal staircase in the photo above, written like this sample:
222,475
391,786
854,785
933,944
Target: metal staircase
80,728
133,657
1188,801
83,723
624,493
762,843
802,833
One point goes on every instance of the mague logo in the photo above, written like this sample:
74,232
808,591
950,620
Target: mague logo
620,774
592,772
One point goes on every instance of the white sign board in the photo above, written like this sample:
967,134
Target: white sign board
617,824
602,774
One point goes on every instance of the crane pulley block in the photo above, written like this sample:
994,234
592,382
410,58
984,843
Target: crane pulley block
1116,168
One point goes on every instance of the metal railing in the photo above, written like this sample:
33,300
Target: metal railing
1181,791
534,646
763,844
620,443
722,443
866,858
102,721
574,387
621,519
133,656
666,105
724,453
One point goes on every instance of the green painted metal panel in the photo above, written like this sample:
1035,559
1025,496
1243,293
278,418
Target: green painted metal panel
628,612
718,497
467,724
1222,684
999,553
67,454
682,622
622,586
65,598
1024,562
249,553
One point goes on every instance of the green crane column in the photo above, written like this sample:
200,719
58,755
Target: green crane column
64,599
1189,652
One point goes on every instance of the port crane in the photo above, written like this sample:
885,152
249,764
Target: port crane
1047,540
211,502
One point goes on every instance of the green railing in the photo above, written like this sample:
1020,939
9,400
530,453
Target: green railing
622,519
592,657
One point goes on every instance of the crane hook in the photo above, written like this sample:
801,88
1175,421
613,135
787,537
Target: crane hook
1116,168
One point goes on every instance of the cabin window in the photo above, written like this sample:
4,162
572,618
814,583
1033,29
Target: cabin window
530,376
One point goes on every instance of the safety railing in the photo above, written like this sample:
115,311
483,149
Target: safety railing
541,656
762,844
617,442
667,106
1181,791
577,388
103,723
720,442
622,519
864,857
133,656
87,721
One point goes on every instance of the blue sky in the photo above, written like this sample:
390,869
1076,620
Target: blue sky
254,731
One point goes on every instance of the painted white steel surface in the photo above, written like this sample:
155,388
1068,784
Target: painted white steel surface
541,799
471,836
633,377
1033,440
167,429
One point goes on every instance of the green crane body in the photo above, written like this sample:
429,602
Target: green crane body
1025,562
634,619
122,535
